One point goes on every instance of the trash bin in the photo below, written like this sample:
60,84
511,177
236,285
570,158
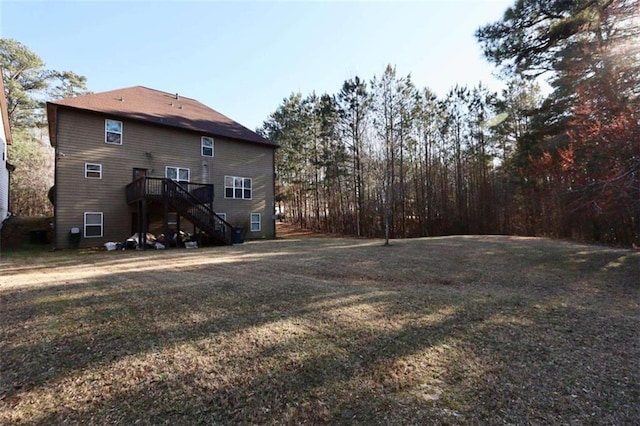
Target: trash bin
74,237
238,235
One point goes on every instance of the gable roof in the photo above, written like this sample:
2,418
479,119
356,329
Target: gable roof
157,107
4,111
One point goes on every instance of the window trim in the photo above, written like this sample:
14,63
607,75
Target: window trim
258,222
106,131
166,169
234,188
101,225
172,218
202,147
87,171
218,225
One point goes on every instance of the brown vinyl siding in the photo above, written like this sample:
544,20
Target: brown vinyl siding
80,140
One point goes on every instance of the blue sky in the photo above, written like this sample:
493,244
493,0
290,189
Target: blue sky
242,58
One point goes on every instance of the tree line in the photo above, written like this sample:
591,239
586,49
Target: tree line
28,85
382,157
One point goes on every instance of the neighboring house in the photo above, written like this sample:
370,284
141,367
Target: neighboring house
137,160
5,167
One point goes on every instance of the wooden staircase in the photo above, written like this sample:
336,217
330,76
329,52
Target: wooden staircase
189,200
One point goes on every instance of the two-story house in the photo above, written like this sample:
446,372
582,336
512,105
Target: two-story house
5,167
139,160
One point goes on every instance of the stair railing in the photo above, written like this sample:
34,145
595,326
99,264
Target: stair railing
198,212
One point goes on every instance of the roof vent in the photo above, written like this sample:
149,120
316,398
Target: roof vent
121,99
177,96
180,107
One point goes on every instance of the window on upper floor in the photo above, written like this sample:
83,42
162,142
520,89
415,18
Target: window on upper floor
255,222
113,132
93,224
238,188
93,171
207,146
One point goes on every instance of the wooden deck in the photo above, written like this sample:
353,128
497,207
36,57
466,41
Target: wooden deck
155,188
191,200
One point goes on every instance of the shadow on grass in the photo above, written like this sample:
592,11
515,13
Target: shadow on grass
345,383
321,337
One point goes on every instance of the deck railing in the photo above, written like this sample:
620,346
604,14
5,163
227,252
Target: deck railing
150,188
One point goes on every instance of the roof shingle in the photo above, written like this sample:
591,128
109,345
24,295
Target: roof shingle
154,106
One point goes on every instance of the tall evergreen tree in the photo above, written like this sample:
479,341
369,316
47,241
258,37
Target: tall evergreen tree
387,122
27,86
288,127
585,134
354,106
25,80
66,84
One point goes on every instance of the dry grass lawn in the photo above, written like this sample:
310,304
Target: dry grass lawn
451,330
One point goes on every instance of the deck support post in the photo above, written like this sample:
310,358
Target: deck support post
139,225
165,212
178,239
143,237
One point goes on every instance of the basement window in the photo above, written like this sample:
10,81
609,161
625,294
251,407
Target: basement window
172,219
93,224
255,222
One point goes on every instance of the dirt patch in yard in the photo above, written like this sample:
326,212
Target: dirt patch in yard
450,330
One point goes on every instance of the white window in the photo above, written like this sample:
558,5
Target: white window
207,146
255,222
93,171
178,174
113,132
237,187
93,224
219,225
172,219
